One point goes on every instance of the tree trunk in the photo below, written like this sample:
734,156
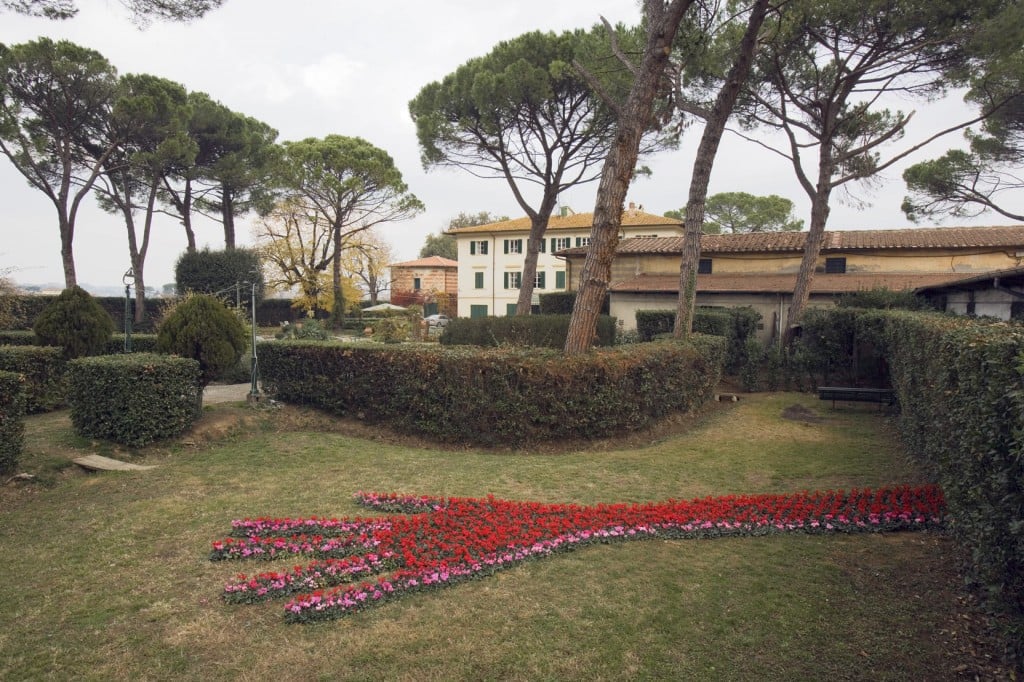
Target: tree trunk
700,178
538,226
662,24
338,309
67,255
186,218
227,215
693,225
812,249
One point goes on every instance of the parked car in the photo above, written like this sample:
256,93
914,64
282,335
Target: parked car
438,320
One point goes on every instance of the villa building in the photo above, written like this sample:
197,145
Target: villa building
969,269
491,256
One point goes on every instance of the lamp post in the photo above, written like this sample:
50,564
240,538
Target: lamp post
254,390
127,281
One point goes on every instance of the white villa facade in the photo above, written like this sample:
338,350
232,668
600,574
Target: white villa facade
491,256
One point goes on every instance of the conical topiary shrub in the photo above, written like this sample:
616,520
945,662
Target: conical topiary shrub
201,327
76,322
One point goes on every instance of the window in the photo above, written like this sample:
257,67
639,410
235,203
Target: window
513,246
510,309
478,311
835,266
559,243
539,281
560,279
513,280
542,245
704,266
478,247
417,284
582,241
478,280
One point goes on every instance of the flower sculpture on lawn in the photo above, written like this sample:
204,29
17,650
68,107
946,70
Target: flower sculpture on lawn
436,542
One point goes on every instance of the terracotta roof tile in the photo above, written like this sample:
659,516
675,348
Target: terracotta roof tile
1010,236
784,284
576,221
429,262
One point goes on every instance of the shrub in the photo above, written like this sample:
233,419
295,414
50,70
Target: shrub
960,386
509,396
228,273
43,370
204,329
885,299
540,331
133,399
9,309
75,322
18,338
141,343
391,329
12,426
736,325
304,329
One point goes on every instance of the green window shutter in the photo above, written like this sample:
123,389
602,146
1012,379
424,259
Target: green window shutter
579,241
541,279
477,311
560,279
483,249
506,245
472,248
478,280
543,244
506,279
510,309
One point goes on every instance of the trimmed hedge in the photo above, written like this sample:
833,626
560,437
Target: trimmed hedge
960,385
538,331
562,302
133,399
12,426
496,396
737,325
43,369
270,312
19,338
141,343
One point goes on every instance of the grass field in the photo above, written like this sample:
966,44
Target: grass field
106,575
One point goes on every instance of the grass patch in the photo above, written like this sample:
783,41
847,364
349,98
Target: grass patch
106,574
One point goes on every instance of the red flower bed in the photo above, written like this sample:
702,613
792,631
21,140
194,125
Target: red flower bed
444,541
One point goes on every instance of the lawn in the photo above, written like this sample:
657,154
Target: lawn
107,575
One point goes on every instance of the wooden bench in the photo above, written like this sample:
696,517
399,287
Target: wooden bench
882,396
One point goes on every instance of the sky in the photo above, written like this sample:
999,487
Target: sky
323,67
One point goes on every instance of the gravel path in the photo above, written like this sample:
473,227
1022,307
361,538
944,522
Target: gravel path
225,393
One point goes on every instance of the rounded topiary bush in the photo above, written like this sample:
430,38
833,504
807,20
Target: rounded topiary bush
76,322
201,327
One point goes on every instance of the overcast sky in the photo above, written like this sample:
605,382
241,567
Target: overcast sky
321,67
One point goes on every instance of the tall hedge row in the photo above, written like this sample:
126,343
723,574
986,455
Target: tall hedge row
269,312
539,331
12,427
960,384
736,325
496,396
